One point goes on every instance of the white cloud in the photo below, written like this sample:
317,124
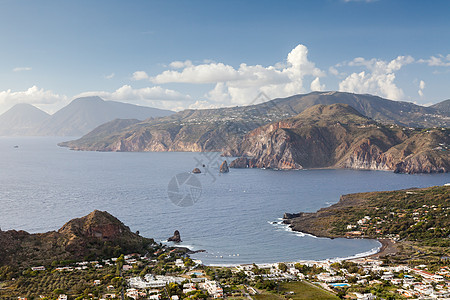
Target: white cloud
333,71
127,93
241,85
44,99
206,73
140,75
440,61
422,84
378,78
180,64
316,86
110,76
20,69
149,96
421,88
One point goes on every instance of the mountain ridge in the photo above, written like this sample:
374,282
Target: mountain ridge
221,129
79,117
20,119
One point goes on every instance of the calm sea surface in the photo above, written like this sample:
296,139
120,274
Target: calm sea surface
42,186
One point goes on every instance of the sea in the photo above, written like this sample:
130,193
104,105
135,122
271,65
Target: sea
235,217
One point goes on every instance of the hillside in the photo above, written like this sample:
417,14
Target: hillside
96,235
221,129
416,215
21,119
338,136
84,114
443,106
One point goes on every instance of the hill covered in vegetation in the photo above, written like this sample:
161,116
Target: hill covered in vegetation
418,216
96,235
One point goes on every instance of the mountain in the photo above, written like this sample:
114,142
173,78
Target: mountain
338,136
96,235
443,106
223,128
377,108
84,114
21,119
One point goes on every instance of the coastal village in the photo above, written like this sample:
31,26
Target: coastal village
169,275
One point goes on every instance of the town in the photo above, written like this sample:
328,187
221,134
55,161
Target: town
167,274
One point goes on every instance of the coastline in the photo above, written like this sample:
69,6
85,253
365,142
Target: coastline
388,247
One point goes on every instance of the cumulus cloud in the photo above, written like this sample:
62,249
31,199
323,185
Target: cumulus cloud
20,69
378,78
316,86
421,88
439,61
155,96
205,73
140,75
127,93
44,99
241,85
110,76
180,64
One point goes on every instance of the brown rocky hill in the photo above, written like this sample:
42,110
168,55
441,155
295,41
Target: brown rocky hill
338,136
96,235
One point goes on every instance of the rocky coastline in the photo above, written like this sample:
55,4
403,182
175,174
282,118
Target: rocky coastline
337,136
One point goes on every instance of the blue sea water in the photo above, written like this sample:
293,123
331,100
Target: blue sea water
42,186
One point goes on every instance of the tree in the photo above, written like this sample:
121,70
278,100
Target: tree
282,267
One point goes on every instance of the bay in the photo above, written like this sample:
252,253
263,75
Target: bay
42,186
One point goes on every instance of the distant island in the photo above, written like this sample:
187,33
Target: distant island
79,117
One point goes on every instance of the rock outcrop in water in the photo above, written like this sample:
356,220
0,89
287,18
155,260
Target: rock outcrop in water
337,136
176,238
98,234
224,167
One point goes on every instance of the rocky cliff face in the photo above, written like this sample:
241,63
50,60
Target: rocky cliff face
95,235
337,136
224,167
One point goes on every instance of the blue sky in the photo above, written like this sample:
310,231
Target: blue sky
199,54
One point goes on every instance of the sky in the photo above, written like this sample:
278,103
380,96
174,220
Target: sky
202,54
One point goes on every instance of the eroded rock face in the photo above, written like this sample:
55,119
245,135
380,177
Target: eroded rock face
240,163
224,167
337,136
423,163
176,238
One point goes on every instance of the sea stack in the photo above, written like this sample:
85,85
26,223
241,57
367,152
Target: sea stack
175,238
224,167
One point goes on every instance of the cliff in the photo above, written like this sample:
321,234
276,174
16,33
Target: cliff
98,234
338,136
